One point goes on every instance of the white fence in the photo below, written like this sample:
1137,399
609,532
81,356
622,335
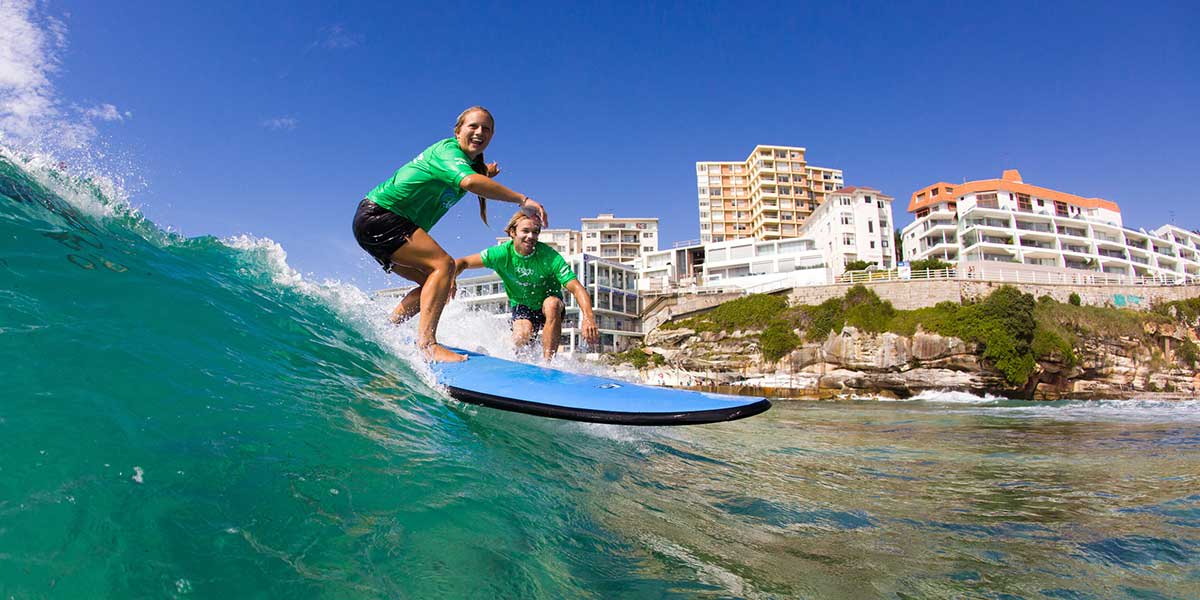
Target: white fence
978,272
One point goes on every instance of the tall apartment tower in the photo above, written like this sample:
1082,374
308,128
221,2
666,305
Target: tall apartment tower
766,197
619,239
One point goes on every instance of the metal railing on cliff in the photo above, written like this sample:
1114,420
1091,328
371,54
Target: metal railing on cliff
970,272
974,272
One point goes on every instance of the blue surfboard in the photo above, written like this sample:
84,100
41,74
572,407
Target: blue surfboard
534,390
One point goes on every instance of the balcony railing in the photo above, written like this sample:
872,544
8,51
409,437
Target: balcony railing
1034,227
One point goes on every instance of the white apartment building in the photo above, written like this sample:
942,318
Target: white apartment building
854,223
619,239
612,287
765,197
743,263
1009,221
566,242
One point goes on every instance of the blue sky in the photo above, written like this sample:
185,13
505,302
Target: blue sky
275,118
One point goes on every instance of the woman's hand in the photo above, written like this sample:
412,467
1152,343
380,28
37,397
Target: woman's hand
531,207
493,169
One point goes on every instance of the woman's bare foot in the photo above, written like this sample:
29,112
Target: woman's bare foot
440,353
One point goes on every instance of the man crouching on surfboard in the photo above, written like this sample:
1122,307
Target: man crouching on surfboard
534,275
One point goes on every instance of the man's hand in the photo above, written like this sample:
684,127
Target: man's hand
591,334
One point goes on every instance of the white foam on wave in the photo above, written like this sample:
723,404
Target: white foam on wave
1133,410
954,397
461,325
92,192
355,307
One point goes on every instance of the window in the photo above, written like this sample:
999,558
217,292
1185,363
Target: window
847,219
703,191
872,246
932,192
844,201
870,226
848,239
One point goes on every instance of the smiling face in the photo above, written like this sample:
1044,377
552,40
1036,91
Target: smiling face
524,234
474,131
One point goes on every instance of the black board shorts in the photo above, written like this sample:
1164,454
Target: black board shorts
521,312
380,231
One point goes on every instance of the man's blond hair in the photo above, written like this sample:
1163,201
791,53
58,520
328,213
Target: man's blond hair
511,228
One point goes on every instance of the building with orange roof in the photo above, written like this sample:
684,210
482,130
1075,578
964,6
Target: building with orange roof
1006,220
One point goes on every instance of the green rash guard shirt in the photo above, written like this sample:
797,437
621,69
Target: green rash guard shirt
428,185
528,280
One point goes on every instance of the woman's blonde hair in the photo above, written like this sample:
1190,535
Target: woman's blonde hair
511,228
458,123
462,117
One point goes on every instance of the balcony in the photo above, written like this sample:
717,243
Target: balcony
994,223
1039,227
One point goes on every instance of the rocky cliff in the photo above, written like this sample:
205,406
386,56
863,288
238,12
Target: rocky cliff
1153,362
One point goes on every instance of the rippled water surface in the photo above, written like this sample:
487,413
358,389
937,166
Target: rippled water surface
192,418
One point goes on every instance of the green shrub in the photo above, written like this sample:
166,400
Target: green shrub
1002,324
1048,344
928,264
822,319
864,310
777,340
1074,299
751,312
1188,353
633,356
1185,310
858,265
860,308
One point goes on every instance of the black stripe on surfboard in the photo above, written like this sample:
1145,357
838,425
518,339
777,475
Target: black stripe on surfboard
607,416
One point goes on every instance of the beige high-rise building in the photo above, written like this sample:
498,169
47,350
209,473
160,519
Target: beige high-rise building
765,197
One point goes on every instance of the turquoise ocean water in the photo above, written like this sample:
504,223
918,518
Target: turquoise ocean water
191,418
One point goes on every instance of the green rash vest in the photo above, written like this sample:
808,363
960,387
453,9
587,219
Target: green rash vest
428,185
528,280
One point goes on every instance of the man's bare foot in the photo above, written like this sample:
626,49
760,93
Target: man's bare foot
440,353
